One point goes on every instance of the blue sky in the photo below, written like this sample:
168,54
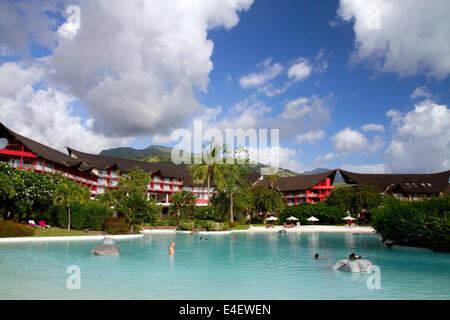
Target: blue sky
361,87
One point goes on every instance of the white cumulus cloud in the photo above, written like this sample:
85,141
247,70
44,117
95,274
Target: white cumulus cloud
407,37
45,115
300,70
347,141
421,141
372,127
310,136
269,71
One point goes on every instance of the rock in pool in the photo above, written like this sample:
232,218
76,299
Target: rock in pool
106,250
358,265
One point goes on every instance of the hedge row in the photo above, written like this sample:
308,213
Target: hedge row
421,224
85,215
206,225
9,228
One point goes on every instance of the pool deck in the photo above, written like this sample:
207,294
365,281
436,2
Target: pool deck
71,238
305,229
275,229
316,228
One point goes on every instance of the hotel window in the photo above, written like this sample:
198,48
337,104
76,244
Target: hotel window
14,163
198,189
83,180
177,180
157,186
39,165
166,180
175,188
100,190
103,173
102,182
166,187
114,183
26,164
187,189
114,174
48,167
199,196
157,178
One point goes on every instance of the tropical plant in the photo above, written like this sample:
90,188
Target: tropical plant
182,205
67,193
354,199
131,198
233,172
209,170
423,223
267,200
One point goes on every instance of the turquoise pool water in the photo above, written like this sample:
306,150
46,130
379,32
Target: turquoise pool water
255,266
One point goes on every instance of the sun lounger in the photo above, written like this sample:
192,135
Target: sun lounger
43,224
31,223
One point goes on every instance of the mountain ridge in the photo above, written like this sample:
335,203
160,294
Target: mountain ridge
158,153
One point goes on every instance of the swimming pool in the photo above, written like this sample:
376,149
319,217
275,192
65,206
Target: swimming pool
255,266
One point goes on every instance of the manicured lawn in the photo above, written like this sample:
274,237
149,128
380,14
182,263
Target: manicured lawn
58,232
241,227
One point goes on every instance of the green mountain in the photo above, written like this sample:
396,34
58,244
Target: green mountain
163,154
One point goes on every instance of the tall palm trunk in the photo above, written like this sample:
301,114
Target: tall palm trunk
207,191
231,207
68,224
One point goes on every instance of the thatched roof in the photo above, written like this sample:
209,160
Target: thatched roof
39,149
299,182
409,183
124,165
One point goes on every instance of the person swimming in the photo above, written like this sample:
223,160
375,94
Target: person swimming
201,238
171,251
353,256
316,256
234,238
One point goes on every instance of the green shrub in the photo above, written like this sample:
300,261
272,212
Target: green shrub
421,224
166,222
117,225
96,212
186,225
85,215
216,226
206,213
209,225
10,228
326,214
234,224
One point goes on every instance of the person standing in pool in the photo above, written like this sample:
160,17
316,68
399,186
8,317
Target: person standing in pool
316,256
171,251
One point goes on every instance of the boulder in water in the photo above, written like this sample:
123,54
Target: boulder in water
357,265
106,250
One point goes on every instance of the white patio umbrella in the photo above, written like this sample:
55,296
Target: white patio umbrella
292,218
272,218
348,218
312,219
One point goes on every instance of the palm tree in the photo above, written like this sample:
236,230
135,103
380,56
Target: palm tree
272,178
208,171
67,193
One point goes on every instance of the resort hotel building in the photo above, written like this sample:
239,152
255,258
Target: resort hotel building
99,173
